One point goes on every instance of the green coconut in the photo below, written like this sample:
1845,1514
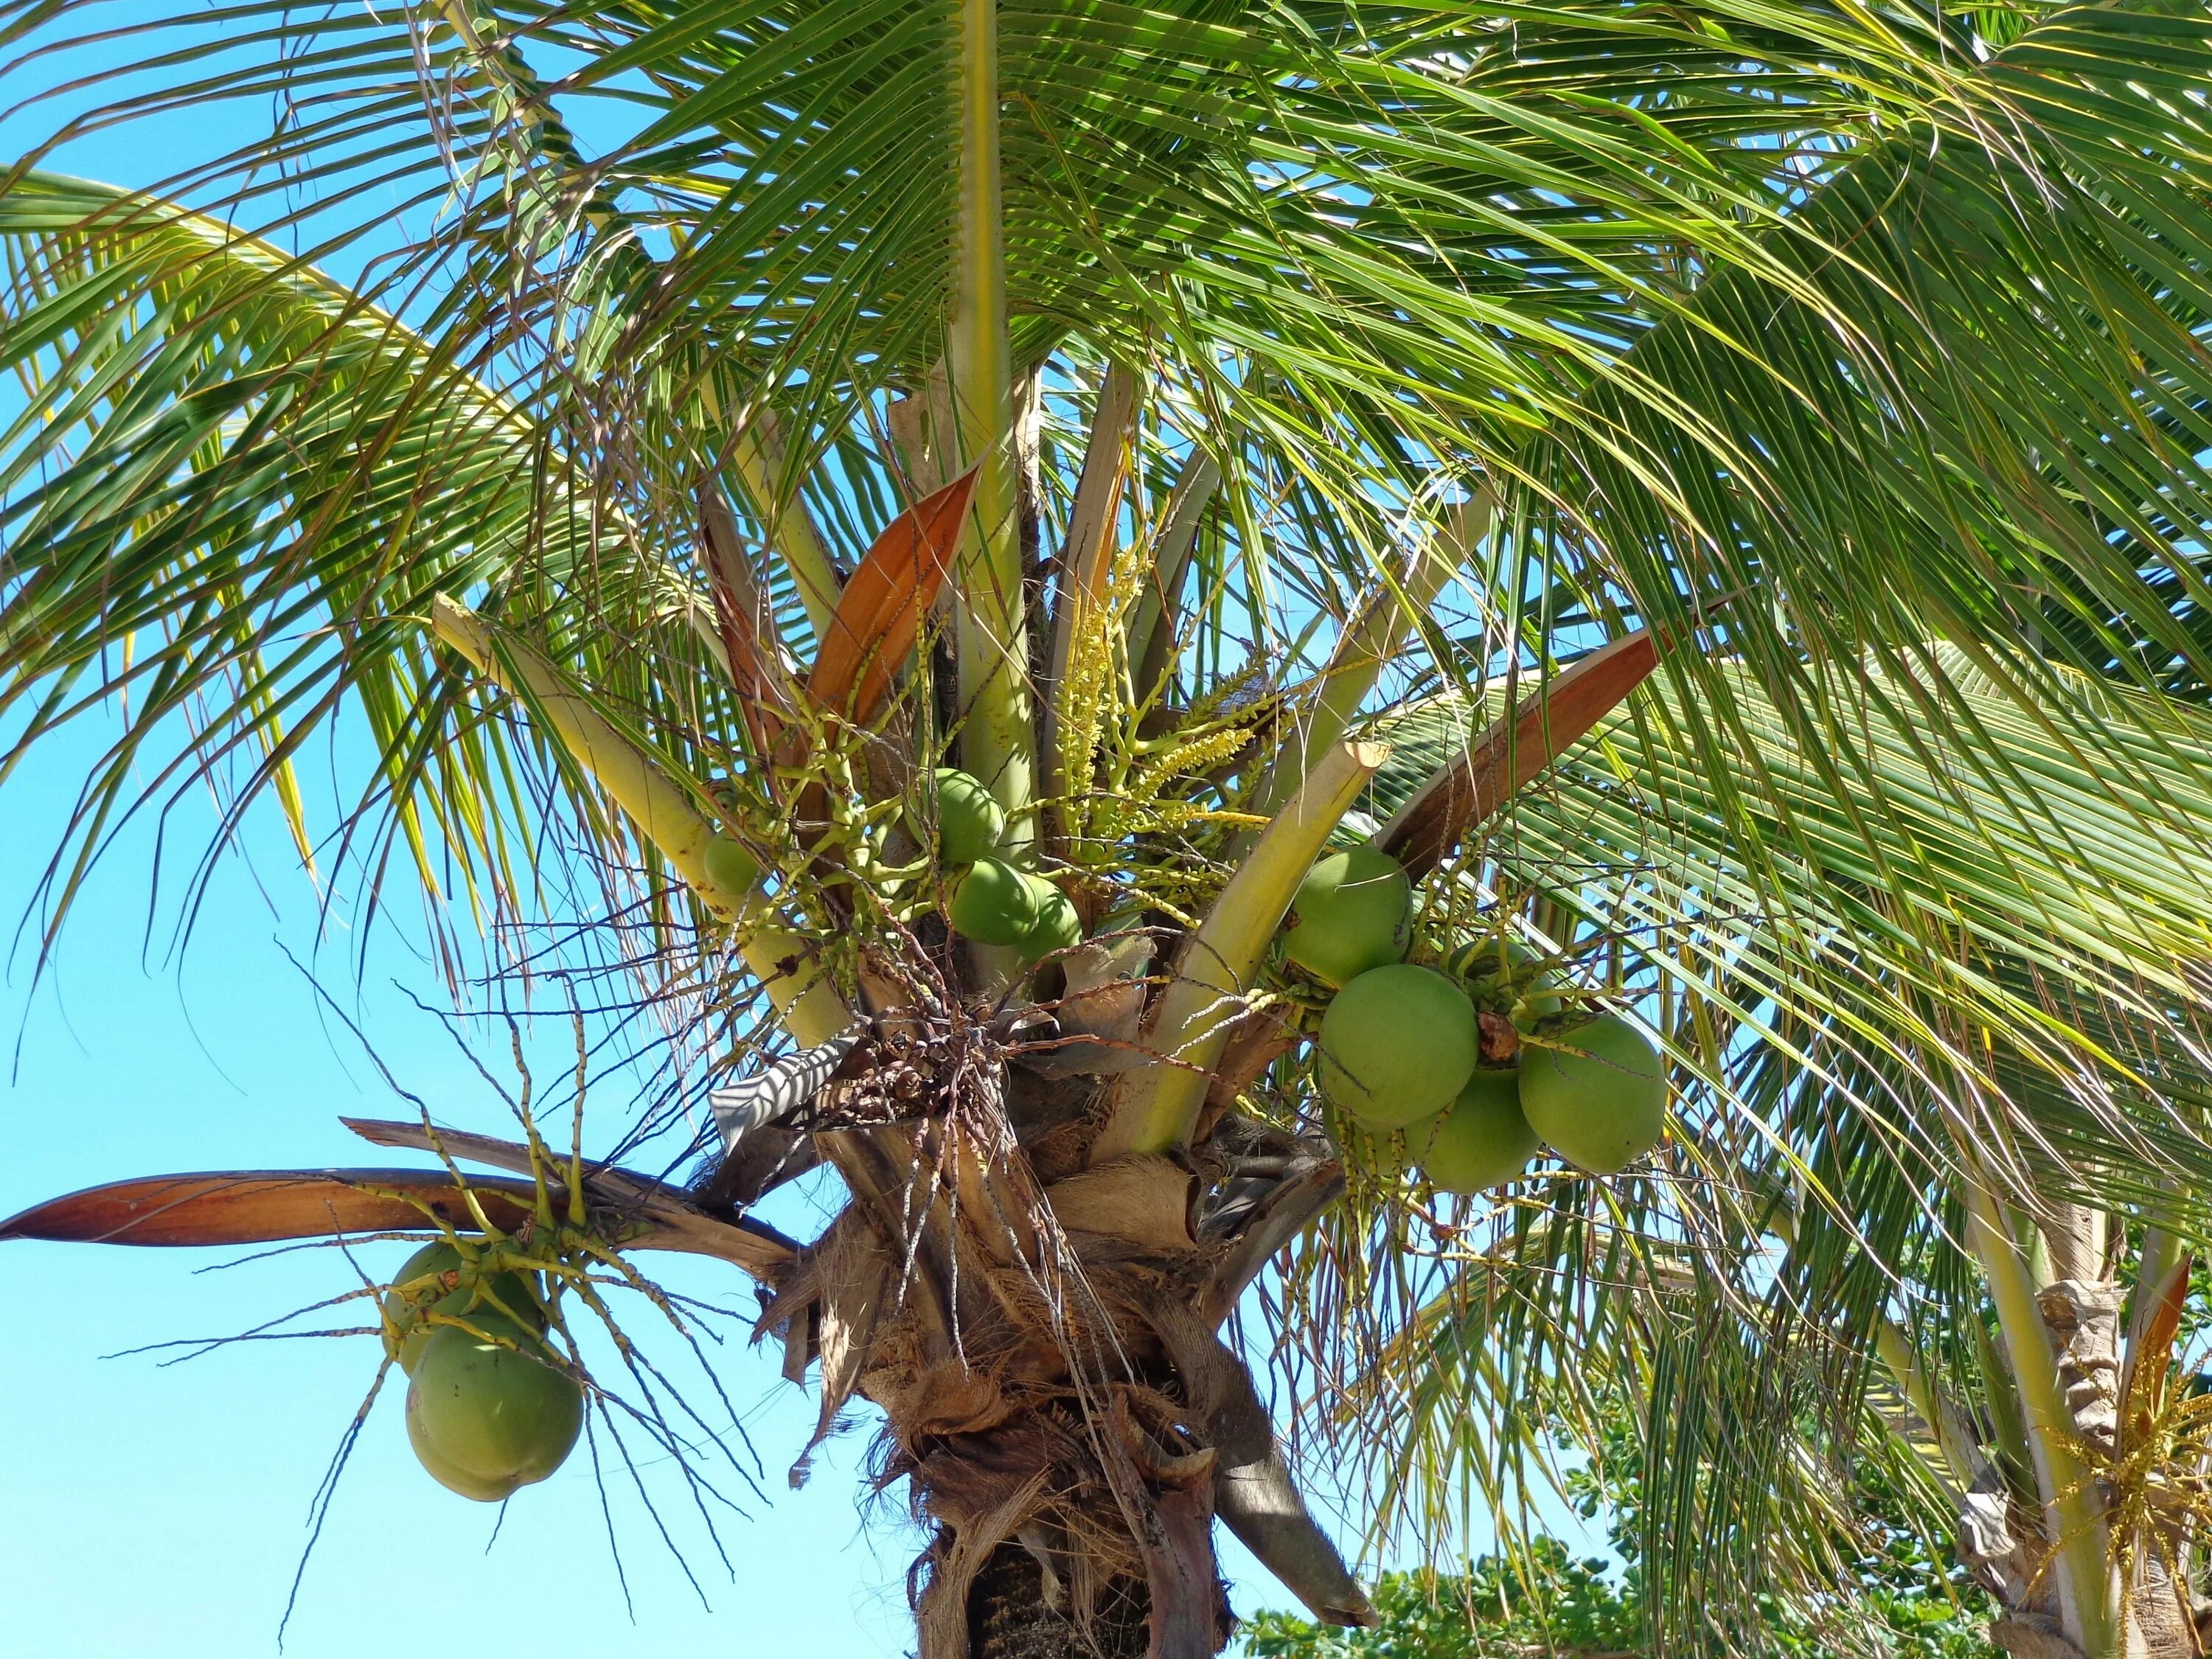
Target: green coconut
431,1278
1353,912
730,868
451,1475
1599,1098
486,1418
1482,1139
968,821
1397,1044
1057,927
994,903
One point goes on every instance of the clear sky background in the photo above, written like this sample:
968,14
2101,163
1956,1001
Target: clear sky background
149,1507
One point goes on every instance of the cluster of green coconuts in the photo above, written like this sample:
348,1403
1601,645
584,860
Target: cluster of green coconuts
991,902
1400,1044
487,1412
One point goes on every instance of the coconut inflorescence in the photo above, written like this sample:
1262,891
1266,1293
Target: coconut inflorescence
1504,975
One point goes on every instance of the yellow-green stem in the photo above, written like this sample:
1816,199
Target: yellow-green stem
1918,1388
1204,1000
1155,620
811,1009
1369,646
756,449
999,740
2073,1515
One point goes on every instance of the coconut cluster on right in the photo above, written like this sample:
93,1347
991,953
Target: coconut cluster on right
1400,1052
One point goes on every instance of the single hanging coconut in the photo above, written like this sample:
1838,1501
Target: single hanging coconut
451,1476
431,1279
1057,926
992,903
731,867
1482,1140
486,1418
1353,912
1599,1098
1396,1045
968,821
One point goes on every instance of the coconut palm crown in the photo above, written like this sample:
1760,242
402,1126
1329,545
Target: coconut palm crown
1718,491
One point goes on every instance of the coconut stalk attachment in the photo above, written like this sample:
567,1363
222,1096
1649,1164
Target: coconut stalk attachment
1371,641
808,1005
1204,1001
618,763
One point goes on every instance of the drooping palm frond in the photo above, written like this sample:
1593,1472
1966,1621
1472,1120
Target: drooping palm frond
263,482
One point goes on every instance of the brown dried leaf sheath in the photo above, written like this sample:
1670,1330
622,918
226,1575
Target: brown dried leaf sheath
259,1206
884,604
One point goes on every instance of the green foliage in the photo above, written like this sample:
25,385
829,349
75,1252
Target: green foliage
1545,1600
1576,1608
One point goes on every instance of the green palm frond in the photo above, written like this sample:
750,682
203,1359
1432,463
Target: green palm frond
232,494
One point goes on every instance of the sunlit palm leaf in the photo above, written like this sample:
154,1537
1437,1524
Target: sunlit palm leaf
232,497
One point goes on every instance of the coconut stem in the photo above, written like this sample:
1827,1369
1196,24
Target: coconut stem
808,1004
1204,1001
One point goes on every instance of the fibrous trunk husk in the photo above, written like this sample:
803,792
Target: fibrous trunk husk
1067,1422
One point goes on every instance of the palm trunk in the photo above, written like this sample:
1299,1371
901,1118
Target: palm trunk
1039,1332
1019,1609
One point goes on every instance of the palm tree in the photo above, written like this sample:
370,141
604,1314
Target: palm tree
1717,490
